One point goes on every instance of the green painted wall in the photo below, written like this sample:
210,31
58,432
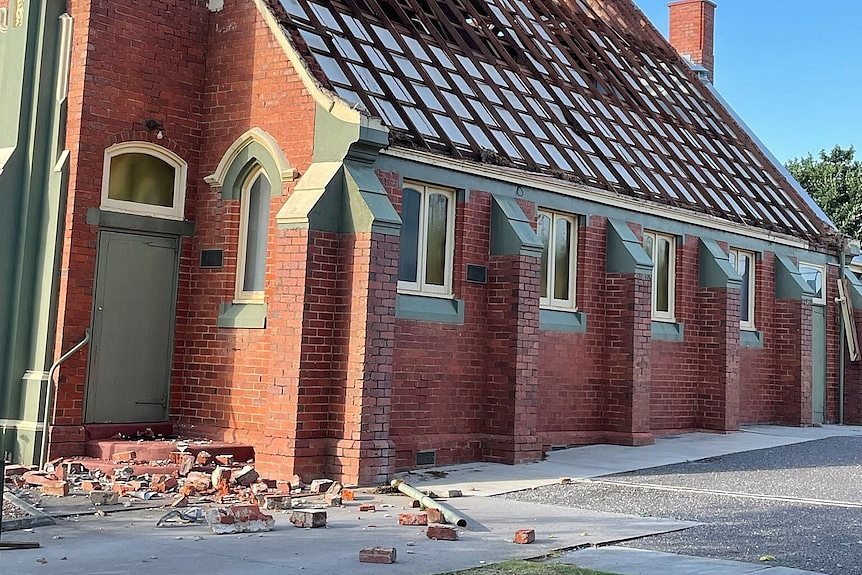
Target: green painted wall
34,169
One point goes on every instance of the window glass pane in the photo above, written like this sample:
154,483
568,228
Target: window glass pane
744,270
256,235
544,228
409,245
661,277
648,241
435,253
562,257
142,179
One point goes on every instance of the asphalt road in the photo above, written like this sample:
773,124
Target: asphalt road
752,504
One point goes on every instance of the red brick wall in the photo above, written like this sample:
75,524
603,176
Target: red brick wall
439,371
676,366
161,76
573,400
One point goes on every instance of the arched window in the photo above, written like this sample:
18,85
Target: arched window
145,179
253,232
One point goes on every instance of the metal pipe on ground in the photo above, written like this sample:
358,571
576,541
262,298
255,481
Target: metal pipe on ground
450,514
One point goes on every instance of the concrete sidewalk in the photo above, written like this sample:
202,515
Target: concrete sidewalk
640,562
489,479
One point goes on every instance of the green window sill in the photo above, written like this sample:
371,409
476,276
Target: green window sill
562,321
242,315
424,308
668,331
749,338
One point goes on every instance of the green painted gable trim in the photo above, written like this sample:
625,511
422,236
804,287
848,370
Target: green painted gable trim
366,204
242,315
136,223
753,339
788,281
666,331
433,309
251,156
625,252
562,321
511,230
715,268
855,289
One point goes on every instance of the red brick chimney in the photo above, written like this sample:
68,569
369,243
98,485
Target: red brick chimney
692,32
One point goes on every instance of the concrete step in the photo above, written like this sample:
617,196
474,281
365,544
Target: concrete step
160,449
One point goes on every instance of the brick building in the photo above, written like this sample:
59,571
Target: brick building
368,235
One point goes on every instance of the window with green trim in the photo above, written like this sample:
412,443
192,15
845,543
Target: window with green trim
661,248
253,233
558,234
427,241
743,262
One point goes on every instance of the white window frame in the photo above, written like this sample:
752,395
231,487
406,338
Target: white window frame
735,252
176,212
242,296
550,302
419,287
822,269
670,315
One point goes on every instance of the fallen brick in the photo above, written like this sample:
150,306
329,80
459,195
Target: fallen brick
308,519
246,476
525,536
176,457
220,473
347,495
180,501
441,533
121,456
187,489
277,501
367,507
412,519
239,519
15,470
58,487
416,504
203,457
449,494
121,488
38,478
224,460
384,555
565,480
199,480
91,485
104,497
186,464
320,485
332,499
435,515
163,483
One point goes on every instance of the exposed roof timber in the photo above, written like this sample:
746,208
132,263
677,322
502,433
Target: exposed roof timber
549,86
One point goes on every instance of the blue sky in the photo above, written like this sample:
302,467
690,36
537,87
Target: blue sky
792,69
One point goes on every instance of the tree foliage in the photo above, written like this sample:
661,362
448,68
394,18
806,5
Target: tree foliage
834,180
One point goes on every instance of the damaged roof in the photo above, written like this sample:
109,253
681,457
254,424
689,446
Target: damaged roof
582,90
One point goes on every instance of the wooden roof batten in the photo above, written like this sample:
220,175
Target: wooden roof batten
594,97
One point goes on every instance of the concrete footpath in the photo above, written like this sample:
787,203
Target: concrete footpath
625,561
591,461
128,542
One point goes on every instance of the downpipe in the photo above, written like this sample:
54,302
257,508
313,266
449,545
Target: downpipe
842,336
49,397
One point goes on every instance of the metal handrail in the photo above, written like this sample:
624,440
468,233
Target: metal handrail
49,397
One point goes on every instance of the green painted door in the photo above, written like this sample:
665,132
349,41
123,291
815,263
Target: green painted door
133,322
818,363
